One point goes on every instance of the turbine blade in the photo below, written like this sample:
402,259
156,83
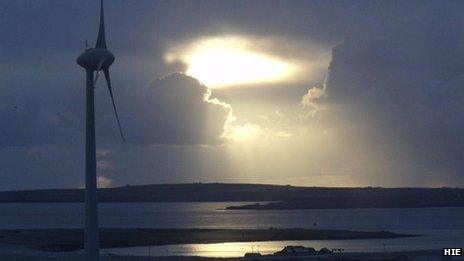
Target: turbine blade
97,74
110,89
101,40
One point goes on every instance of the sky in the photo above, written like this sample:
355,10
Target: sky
310,93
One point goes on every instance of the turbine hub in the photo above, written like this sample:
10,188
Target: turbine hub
95,59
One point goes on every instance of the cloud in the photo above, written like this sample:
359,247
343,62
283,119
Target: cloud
173,110
310,101
393,96
25,124
177,110
393,92
312,95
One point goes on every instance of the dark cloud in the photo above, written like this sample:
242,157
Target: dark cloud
397,95
28,125
30,118
177,110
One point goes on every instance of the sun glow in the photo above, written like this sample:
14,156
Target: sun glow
244,133
231,61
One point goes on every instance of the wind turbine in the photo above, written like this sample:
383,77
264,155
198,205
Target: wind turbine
94,60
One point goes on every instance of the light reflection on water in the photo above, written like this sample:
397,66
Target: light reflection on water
430,240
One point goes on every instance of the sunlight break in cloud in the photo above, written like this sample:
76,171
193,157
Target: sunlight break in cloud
231,60
104,182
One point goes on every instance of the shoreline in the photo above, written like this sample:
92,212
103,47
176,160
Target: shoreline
428,254
62,240
431,254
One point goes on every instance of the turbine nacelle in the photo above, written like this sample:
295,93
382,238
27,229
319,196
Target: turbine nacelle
96,59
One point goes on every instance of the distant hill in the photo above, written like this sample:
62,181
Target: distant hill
289,197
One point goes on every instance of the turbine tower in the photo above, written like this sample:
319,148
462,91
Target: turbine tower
94,60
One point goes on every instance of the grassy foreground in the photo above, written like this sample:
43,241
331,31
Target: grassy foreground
72,239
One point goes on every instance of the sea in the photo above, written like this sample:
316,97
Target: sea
438,227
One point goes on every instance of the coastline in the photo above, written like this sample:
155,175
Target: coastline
404,255
58,240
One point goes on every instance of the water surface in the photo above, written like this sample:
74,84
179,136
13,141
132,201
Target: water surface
441,227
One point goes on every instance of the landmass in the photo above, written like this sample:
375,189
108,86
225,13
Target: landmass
72,239
410,200
281,197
